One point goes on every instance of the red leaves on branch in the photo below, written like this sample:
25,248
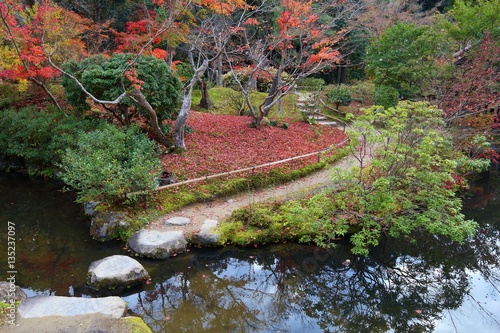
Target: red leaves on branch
252,21
159,53
133,77
32,33
221,143
473,88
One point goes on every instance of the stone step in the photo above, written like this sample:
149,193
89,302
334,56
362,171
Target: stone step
318,117
43,306
327,123
157,244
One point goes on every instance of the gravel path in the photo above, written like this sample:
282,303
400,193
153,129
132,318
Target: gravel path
222,208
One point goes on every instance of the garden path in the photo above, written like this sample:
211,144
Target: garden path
222,208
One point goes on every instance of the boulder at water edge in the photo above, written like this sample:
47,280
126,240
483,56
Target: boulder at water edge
208,235
116,272
42,306
157,244
104,225
9,291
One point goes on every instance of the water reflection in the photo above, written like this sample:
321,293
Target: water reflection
422,284
288,288
53,246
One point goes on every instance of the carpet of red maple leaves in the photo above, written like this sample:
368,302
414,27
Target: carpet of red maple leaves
222,143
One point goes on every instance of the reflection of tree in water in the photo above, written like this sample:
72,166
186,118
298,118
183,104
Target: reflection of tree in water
402,293
288,288
398,288
228,293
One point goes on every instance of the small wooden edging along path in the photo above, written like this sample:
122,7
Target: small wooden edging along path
220,209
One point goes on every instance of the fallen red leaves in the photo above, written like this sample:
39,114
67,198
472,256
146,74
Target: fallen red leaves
221,143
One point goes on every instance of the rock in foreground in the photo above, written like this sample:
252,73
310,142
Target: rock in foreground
115,272
42,306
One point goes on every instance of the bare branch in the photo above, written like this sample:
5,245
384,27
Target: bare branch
80,85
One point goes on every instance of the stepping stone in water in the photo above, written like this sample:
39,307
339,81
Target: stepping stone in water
207,234
116,272
42,306
157,244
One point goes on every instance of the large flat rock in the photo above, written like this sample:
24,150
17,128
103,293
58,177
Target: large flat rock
116,271
157,244
43,306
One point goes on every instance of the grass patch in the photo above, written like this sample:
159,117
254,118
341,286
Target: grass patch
5,310
256,224
228,101
307,220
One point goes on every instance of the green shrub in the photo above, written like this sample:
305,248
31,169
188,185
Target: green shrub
102,77
39,137
340,95
363,91
184,71
386,96
109,163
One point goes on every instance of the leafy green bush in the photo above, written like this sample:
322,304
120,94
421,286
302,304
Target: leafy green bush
39,137
410,186
109,163
362,91
386,96
102,77
184,71
340,95
406,56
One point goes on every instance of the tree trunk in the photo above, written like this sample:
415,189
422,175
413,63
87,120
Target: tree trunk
274,88
218,73
181,120
252,83
187,91
140,99
170,55
266,106
205,101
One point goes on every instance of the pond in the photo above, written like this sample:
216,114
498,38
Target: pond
423,284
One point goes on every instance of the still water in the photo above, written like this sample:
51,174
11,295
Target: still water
431,285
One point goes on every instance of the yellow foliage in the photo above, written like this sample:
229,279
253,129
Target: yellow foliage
8,58
22,85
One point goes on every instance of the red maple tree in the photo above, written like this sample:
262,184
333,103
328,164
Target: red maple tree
30,32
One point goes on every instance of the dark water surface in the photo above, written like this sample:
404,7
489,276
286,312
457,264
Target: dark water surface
432,285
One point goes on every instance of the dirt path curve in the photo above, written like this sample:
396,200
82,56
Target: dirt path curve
222,208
